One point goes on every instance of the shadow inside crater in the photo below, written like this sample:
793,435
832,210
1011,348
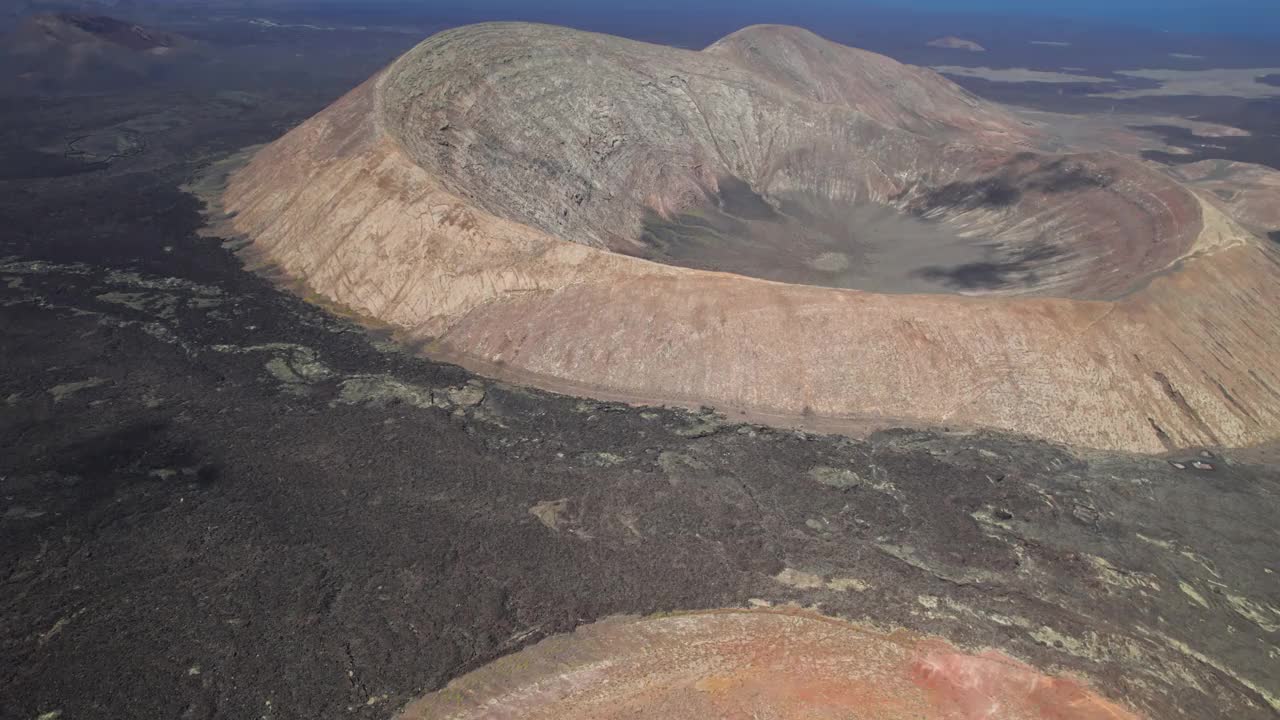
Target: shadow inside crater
1021,268
1007,187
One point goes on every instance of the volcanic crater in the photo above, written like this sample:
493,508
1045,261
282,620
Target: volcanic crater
764,664
778,226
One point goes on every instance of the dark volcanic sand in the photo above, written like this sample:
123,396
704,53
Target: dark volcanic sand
219,501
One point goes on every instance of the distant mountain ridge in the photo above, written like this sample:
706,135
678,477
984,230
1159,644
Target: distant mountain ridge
119,32
80,51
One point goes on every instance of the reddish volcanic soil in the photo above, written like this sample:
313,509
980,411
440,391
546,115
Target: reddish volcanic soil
748,665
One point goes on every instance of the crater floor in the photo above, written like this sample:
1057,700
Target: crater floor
805,239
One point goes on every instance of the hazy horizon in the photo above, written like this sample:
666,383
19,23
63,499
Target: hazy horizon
1249,17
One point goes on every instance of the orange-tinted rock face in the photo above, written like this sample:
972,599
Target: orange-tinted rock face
486,192
735,664
990,685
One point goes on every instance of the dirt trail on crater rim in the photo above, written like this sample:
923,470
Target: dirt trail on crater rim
493,194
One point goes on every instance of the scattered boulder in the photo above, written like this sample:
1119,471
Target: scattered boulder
550,512
838,478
